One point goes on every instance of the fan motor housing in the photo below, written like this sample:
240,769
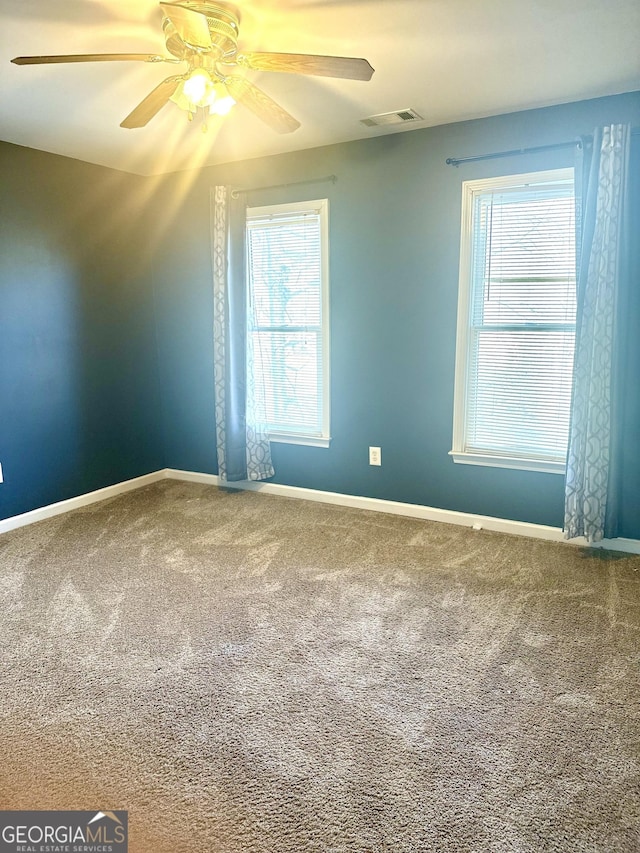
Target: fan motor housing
223,21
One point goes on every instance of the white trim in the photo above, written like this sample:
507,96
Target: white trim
299,438
326,318
493,460
461,374
464,519
60,507
516,182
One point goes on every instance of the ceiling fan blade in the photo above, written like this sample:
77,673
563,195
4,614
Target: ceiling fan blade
261,105
347,67
90,57
192,27
152,104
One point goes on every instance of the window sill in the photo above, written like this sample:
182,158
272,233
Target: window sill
496,461
307,440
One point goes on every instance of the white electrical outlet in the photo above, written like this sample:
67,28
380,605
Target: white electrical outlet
0,472
375,456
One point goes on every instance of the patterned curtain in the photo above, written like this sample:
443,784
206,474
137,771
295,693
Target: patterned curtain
593,466
242,442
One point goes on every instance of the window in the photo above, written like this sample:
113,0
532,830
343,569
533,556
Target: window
287,258
516,321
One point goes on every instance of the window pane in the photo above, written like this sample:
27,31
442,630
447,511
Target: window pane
524,257
287,277
520,390
292,369
517,326
284,260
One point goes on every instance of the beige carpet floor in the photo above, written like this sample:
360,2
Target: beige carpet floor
251,674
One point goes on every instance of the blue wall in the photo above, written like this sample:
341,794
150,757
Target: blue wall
106,324
79,394
394,249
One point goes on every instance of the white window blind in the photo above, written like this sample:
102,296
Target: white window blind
287,274
516,324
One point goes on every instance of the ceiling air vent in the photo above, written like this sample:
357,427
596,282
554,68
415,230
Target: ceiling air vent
397,117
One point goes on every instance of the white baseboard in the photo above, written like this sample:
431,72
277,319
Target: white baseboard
478,522
82,500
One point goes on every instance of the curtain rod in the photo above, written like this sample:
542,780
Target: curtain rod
332,178
575,143
456,161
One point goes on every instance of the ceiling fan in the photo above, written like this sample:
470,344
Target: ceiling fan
205,36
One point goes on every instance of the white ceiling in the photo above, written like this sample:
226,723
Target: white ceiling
448,59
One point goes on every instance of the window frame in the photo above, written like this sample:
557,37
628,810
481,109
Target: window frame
470,190
320,207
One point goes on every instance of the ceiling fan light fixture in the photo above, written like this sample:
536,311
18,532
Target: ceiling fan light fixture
199,91
223,105
194,91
